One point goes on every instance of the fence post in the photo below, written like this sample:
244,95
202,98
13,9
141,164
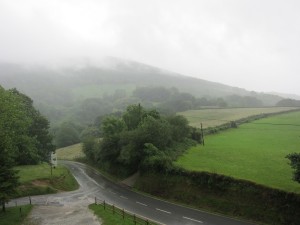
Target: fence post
29,200
134,219
95,200
123,214
20,212
147,222
113,209
104,204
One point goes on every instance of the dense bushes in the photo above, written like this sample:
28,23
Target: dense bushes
139,140
224,194
295,164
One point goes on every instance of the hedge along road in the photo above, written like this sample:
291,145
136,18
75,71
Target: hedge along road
94,185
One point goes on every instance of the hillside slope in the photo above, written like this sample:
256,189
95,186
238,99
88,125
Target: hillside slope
67,84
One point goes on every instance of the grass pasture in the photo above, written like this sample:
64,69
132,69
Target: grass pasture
254,151
215,117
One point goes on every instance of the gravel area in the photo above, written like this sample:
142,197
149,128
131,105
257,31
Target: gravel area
57,211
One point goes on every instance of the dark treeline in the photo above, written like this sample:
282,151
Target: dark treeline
139,139
288,103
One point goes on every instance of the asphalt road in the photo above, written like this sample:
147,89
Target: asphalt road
93,184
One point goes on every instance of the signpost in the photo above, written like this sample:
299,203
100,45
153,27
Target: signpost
53,161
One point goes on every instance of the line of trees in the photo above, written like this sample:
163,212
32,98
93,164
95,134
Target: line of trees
295,164
78,115
24,138
140,140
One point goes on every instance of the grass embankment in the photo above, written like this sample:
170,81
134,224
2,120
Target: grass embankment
37,179
13,215
255,151
113,216
216,117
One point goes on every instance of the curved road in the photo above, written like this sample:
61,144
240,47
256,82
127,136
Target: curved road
93,184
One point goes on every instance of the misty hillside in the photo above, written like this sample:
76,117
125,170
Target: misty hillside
76,98
65,85
82,92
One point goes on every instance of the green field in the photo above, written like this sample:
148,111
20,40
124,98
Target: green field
70,153
215,117
254,151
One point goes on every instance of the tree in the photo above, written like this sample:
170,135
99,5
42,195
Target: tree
156,131
13,123
67,134
295,164
112,126
24,138
8,177
133,116
179,126
288,103
139,140
154,159
36,143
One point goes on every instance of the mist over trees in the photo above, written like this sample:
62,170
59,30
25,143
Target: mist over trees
288,103
74,97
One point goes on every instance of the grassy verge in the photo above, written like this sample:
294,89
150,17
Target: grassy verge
37,179
254,151
13,215
112,216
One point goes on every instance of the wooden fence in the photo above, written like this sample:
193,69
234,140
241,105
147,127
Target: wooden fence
124,214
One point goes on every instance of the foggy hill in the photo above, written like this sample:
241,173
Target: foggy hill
65,85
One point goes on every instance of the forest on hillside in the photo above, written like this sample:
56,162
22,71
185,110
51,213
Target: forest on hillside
75,100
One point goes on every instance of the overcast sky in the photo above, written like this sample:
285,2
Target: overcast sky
251,44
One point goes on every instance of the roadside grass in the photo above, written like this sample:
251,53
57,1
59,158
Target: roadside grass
13,216
254,151
110,216
37,179
216,117
71,152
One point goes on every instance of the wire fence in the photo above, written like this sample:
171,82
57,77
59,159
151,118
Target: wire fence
124,214
117,211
